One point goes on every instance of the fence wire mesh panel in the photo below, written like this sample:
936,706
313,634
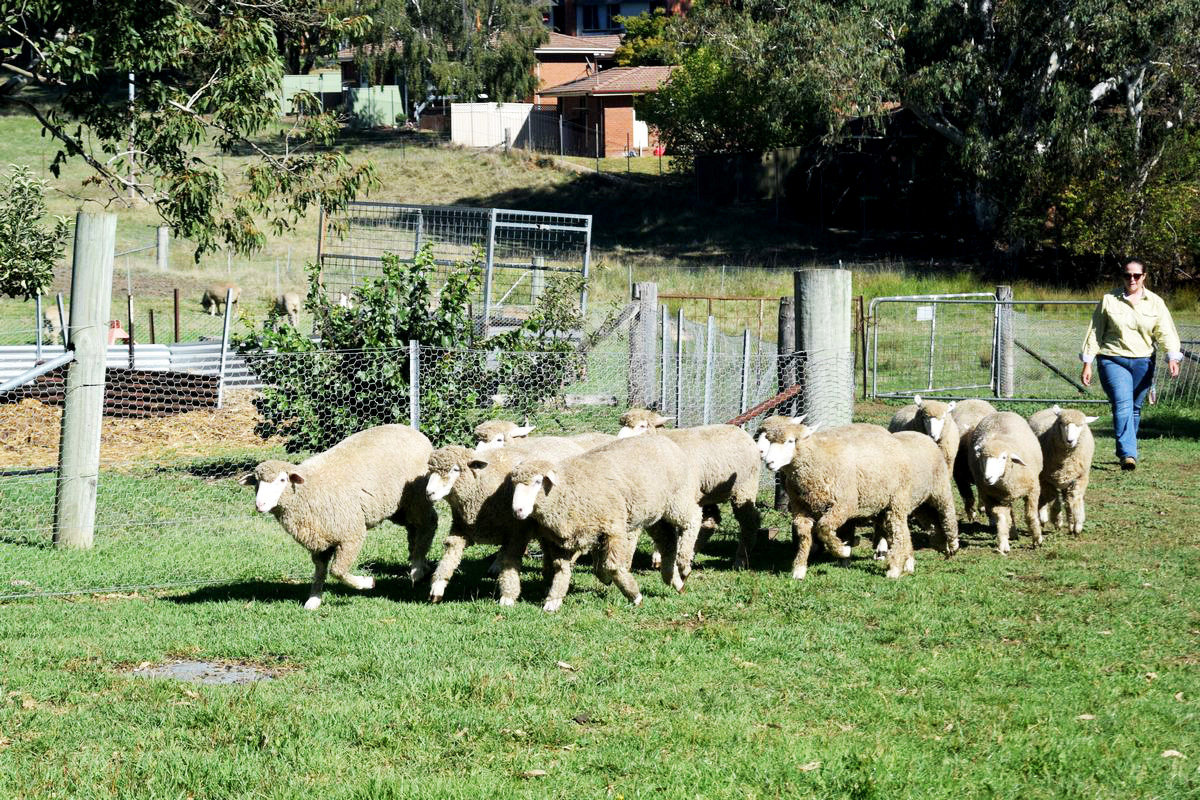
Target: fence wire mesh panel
521,249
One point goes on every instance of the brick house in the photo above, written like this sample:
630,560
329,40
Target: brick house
568,58
593,17
603,103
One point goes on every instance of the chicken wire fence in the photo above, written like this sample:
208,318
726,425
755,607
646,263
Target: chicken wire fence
170,511
974,345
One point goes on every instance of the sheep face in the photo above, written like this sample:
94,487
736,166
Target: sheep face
494,434
272,480
781,444
995,463
439,485
774,422
637,421
1071,424
933,416
529,480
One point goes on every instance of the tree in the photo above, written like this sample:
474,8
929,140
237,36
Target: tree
461,48
761,74
140,91
648,41
28,250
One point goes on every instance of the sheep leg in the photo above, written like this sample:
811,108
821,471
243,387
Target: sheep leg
561,563
451,558
689,531
509,579
1075,507
965,484
421,527
666,541
900,556
1031,517
1001,517
343,562
947,522
611,564
826,529
749,520
708,526
880,541
802,532
321,567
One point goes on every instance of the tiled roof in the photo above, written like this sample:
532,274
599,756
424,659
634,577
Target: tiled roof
618,80
560,42
349,53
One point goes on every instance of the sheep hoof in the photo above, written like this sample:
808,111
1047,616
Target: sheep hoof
844,552
436,590
1077,528
656,559
1003,548
952,548
552,606
362,583
799,572
637,601
676,584
881,550
910,565
893,572
312,604
508,601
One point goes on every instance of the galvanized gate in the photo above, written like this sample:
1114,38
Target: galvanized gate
521,249
979,345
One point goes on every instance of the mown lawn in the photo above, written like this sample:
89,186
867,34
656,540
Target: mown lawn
1073,671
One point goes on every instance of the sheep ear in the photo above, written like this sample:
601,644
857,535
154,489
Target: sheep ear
660,420
916,399
1090,420
248,479
296,478
522,430
809,431
1057,411
1016,459
950,407
799,419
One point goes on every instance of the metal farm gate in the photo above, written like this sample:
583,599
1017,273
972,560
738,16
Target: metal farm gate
521,249
979,345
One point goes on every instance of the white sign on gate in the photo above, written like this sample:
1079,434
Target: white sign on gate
924,313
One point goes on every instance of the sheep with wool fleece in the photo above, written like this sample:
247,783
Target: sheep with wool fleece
328,502
494,433
1067,445
477,488
967,414
1005,459
599,500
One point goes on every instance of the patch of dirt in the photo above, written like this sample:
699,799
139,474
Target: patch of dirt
206,672
29,434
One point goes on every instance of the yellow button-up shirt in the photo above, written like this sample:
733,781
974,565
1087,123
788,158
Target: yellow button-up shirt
1122,328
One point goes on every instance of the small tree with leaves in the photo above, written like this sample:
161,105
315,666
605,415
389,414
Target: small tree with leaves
28,248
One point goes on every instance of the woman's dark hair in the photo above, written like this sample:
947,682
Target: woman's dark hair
1127,262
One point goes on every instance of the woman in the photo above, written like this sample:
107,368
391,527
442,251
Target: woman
1125,326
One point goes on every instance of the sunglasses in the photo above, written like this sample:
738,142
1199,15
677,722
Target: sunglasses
1136,276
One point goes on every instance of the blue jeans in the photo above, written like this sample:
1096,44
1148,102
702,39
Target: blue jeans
1126,382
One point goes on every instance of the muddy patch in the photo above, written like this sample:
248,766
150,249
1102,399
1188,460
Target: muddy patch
206,672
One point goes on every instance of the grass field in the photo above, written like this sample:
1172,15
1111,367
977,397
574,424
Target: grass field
1072,671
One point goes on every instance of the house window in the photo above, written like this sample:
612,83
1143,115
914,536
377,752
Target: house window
600,18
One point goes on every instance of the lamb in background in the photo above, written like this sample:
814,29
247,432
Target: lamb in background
289,303
213,298
495,433
329,501
967,414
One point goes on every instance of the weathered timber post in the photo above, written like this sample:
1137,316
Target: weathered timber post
163,249
823,337
786,367
642,335
1004,341
83,405
537,278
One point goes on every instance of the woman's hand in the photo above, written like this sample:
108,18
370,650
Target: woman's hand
1086,376
1173,368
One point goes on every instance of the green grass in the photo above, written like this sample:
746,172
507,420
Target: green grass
1065,672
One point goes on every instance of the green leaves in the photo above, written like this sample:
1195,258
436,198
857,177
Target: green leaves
28,248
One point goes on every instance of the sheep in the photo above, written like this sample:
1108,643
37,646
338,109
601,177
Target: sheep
934,418
56,326
1005,460
855,471
328,501
931,486
966,415
600,499
214,297
496,433
289,303
477,489
1067,450
727,462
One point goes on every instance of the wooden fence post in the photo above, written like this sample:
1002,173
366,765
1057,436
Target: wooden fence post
823,336
642,340
83,405
1004,341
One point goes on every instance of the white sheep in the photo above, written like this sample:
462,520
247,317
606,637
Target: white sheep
933,418
851,472
1067,450
1005,459
966,415
600,499
479,493
931,487
214,297
289,304
727,462
329,501
495,433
